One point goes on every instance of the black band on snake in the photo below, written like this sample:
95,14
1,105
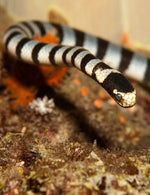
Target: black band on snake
83,51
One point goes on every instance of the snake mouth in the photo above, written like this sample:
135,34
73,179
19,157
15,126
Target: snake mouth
125,100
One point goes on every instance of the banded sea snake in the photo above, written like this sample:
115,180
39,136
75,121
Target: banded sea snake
88,53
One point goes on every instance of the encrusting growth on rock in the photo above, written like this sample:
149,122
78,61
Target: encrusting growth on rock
23,88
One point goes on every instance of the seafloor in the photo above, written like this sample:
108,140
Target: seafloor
86,145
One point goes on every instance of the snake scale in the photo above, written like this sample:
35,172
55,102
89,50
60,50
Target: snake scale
90,54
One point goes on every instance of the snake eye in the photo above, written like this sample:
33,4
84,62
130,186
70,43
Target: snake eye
119,97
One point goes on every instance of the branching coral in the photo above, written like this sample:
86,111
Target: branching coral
24,80
42,106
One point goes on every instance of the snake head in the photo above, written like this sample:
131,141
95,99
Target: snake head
120,89
125,100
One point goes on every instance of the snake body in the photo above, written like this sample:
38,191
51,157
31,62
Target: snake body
88,53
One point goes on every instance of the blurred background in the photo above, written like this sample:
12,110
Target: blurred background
110,19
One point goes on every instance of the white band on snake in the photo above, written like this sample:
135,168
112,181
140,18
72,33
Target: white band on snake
87,53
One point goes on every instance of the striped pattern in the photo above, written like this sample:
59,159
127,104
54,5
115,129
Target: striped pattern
131,64
73,50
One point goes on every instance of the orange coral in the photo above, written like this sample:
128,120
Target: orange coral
126,40
20,94
123,119
84,91
47,39
53,75
77,81
102,94
98,103
23,85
